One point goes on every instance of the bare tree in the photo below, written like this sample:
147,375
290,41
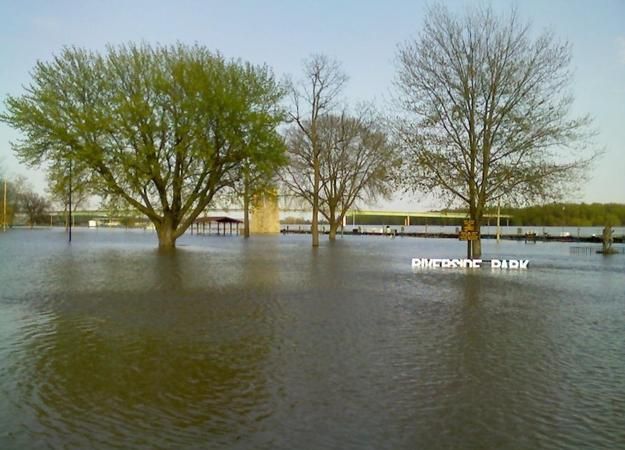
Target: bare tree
486,112
312,97
34,206
355,163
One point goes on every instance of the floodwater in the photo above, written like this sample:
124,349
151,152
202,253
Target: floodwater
268,344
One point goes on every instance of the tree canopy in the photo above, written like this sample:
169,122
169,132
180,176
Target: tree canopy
164,128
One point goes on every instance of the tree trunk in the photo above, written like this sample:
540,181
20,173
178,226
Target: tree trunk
314,226
474,248
477,247
246,213
333,227
166,234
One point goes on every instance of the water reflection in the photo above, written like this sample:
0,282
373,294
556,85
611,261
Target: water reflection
144,363
141,383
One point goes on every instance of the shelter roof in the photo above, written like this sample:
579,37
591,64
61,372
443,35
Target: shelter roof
219,219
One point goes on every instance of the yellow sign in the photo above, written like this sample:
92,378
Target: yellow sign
469,235
468,225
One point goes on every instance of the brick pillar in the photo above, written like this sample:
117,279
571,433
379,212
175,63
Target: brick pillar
265,214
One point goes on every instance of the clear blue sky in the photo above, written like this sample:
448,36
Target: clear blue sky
363,35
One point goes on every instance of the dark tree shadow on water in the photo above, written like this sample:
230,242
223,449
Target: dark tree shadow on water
90,381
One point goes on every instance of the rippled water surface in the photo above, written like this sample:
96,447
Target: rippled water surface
268,344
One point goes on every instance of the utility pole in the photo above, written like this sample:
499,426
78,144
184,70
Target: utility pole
4,208
498,220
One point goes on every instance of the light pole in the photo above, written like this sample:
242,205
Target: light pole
69,224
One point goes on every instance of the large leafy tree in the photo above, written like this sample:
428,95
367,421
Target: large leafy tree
486,112
163,128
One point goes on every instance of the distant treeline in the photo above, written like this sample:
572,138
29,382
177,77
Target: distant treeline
554,214
568,214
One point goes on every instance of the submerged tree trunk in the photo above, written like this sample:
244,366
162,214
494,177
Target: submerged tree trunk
334,222
166,231
333,228
476,208
166,239
477,247
314,226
